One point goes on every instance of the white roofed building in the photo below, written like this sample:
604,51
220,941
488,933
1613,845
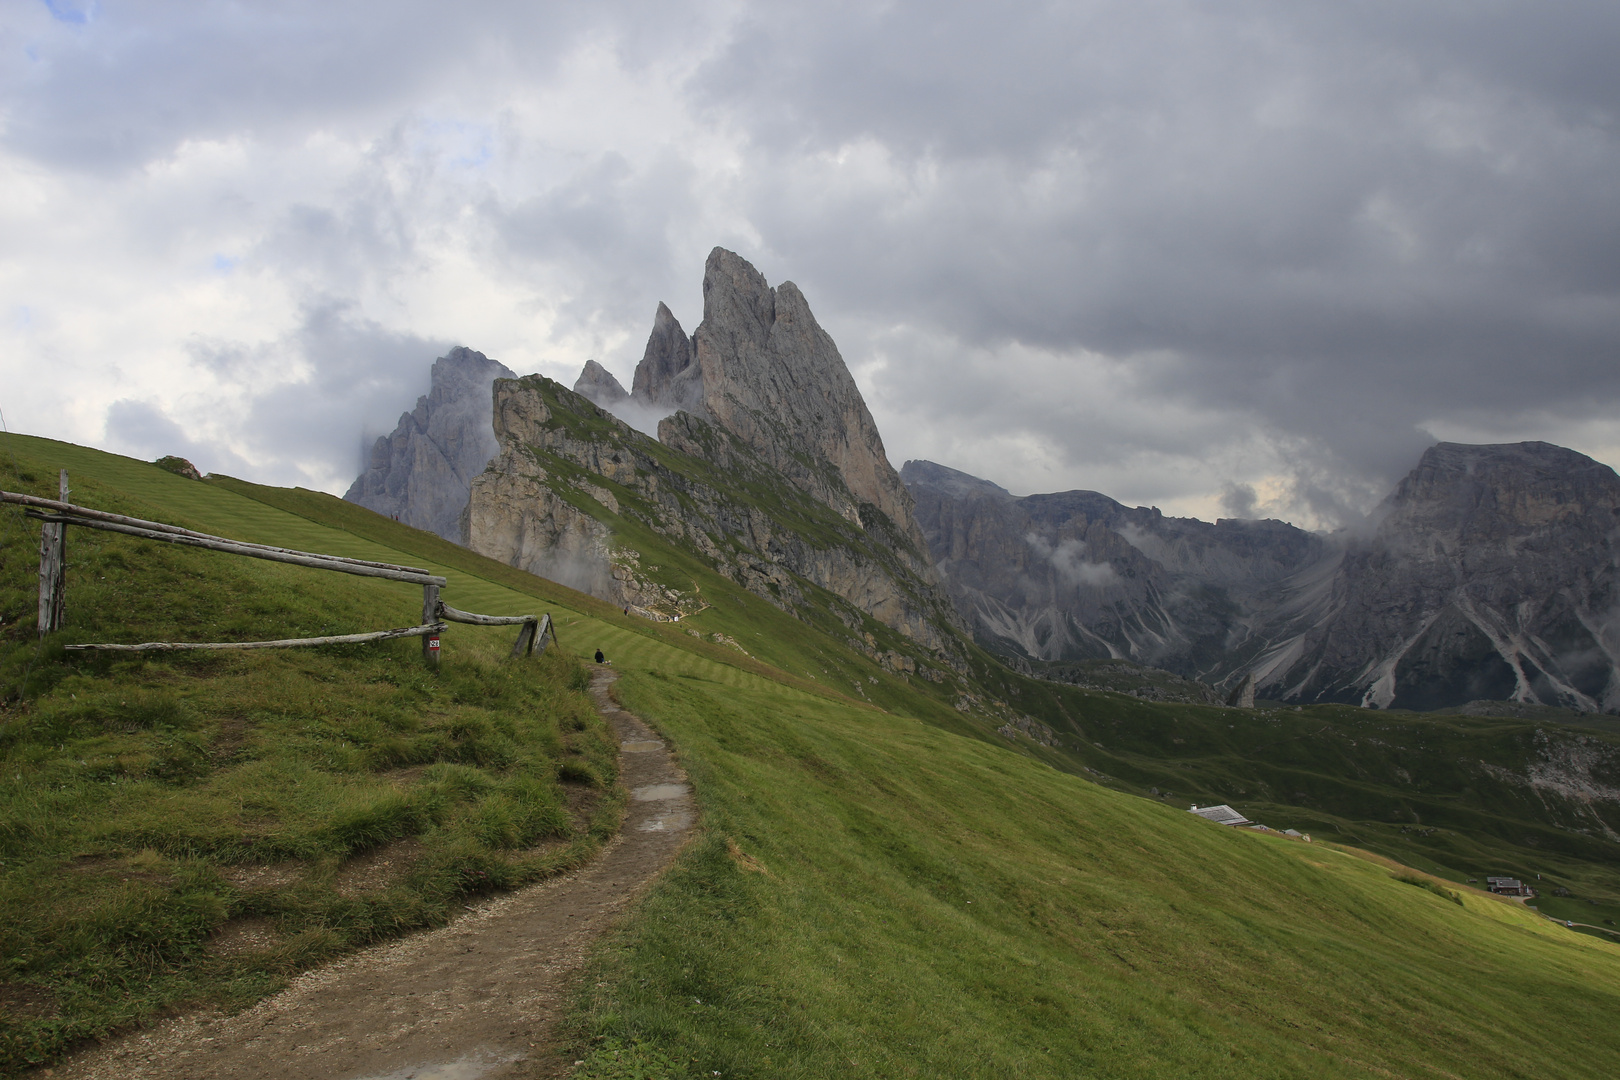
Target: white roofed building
1220,815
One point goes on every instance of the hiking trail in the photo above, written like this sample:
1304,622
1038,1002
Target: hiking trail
474,999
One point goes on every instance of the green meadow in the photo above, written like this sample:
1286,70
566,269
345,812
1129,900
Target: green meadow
188,829
881,886
875,897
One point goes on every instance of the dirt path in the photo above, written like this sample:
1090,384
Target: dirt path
471,1000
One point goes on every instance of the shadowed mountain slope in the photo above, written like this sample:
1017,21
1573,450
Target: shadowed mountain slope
1489,573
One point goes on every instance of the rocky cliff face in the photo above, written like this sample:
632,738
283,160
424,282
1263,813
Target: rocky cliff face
760,367
761,397
669,376
1489,573
772,377
1076,575
422,473
570,478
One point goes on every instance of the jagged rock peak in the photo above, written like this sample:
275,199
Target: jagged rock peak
421,473
668,374
773,377
597,383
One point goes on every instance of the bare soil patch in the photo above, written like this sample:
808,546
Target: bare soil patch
244,936
231,739
582,800
25,1000
475,999
378,868
404,777
142,866
263,875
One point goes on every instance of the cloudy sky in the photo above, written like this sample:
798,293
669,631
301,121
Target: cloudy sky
1221,258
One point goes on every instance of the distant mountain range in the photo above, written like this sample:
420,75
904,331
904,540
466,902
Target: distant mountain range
1489,573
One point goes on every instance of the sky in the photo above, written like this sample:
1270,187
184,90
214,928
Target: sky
1228,259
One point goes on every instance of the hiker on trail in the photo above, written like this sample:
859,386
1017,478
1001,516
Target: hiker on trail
599,656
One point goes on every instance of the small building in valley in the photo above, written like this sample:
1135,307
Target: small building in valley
1220,815
1507,886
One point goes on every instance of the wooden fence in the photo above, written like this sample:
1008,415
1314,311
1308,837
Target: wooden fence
57,514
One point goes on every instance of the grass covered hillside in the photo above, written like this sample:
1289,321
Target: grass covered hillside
875,897
183,829
1461,797
883,885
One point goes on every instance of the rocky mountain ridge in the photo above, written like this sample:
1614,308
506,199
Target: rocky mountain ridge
572,484
781,472
770,466
1488,573
1491,573
760,367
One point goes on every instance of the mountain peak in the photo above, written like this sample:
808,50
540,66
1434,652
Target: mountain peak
1500,485
422,472
668,376
597,383
774,378
957,485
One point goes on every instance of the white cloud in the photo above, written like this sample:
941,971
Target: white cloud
1067,557
1165,250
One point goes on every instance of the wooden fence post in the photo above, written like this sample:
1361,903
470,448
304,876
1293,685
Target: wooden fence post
53,569
524,646
430,613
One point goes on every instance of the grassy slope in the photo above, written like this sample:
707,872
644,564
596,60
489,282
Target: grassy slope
1408,785
1398,783
154,809
931,905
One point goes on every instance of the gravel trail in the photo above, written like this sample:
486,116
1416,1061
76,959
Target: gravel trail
474,999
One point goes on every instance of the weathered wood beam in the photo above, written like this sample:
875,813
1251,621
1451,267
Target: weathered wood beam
53,569
430,613
252,551
65,507
455,615
288,643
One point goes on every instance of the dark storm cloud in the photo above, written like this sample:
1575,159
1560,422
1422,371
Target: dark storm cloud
114,85
1338,221
1191,249
610,224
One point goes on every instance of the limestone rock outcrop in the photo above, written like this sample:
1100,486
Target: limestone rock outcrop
669,377
1076,575
760,391
423,471
760,367
773,377
1491,572
568,473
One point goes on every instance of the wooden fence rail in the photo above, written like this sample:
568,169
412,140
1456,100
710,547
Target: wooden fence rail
533,633
65,507
58,514
285,643
252,551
